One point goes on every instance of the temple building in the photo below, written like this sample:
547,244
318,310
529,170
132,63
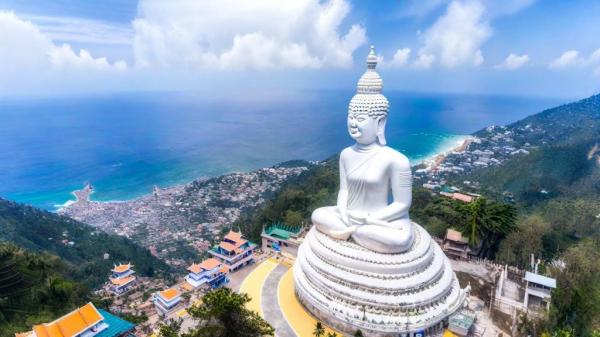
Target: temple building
86,321
235,251
211,272
279,237
166,301
122,278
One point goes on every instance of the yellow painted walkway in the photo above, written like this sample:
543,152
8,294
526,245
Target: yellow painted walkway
297,317
252,284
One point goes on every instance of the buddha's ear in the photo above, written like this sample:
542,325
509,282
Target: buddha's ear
381,120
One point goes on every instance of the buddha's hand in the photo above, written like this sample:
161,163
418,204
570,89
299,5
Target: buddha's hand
357,217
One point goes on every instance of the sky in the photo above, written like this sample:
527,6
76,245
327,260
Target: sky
503,47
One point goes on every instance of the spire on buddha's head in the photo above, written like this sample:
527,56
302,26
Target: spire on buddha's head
370,82
372,58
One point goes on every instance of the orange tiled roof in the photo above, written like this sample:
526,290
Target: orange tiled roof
224,269
240,243
210,263
454,235
234,236
187,286
227,246
207,264
122,281
122,268
169,294
24,334
70,324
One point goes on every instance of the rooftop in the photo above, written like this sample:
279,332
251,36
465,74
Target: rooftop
122,268
169,294
207,264
116,325
454,235
281,231
540,279
70,324
462,320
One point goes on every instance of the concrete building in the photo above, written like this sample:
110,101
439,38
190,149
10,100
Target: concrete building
279,237
538,291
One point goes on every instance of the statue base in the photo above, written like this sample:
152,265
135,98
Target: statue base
349,287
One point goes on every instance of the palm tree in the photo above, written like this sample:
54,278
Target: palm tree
332,334
358,333
489,222
319,330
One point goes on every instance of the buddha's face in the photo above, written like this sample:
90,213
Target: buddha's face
363,128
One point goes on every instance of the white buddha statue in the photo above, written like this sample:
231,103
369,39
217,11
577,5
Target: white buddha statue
375,180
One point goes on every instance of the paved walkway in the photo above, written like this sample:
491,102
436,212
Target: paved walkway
300,321
270,303
252,284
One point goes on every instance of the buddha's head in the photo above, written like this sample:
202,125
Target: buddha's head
366,129
368,109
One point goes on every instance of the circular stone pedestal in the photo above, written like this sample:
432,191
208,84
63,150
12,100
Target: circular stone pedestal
349,287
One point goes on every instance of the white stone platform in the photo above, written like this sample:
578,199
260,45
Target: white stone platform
349,287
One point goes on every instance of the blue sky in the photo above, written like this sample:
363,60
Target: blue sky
509,47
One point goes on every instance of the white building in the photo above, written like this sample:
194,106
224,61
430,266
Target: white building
166,301
538,291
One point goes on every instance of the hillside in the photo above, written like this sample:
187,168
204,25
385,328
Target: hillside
81,246
33,289
564,158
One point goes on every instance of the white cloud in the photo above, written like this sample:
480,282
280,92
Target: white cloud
595,57
567,59
573,59
239,34
399,60
456,37
74,29
25,49
513,61
424,61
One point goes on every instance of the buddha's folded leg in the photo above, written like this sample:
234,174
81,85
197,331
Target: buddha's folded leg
329,221
384,239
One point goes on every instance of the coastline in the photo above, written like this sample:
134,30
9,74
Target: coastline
455,143
461,144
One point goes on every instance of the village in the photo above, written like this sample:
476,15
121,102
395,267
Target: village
499,294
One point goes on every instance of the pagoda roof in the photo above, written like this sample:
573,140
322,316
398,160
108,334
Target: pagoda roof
169,294
233,236
71,324
122,268
227,246
121,281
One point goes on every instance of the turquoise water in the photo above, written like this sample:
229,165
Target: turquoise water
125,143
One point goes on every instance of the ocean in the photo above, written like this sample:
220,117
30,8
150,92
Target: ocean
124,144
